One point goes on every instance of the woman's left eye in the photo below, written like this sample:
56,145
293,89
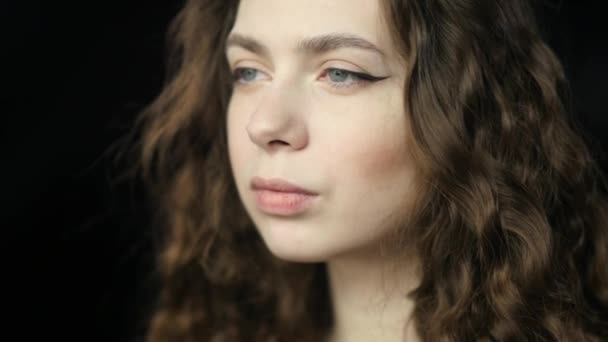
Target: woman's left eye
338,78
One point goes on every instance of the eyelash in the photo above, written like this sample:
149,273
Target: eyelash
360,77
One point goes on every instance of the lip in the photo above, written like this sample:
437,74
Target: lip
279,197
279,185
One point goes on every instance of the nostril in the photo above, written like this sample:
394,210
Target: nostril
278,142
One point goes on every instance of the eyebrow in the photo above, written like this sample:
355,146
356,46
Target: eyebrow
312,45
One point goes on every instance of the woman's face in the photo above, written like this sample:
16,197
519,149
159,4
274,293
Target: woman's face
304,111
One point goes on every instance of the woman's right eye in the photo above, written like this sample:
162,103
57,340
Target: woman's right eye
245,75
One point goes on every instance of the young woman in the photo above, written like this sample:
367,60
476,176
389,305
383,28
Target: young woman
358,170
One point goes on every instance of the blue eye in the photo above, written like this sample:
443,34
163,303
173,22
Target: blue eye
340,75
246,74
340,78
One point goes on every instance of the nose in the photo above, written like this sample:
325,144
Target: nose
277,121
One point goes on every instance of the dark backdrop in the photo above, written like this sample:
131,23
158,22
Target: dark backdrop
79,248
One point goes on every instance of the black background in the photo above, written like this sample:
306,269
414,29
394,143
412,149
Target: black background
78,248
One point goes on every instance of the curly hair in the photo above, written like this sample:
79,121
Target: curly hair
511,225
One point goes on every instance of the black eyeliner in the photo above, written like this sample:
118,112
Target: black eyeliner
368,77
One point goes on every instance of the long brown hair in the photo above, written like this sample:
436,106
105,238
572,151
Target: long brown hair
512,225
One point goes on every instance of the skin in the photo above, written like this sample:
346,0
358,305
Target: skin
291,118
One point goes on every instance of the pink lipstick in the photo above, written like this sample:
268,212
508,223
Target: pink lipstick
279,197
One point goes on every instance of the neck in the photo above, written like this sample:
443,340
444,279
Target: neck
369,297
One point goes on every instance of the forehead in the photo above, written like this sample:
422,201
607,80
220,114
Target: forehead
278,22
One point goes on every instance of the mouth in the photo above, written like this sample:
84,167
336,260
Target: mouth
279,197
279,185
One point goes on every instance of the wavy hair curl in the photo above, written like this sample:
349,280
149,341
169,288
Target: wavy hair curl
511,226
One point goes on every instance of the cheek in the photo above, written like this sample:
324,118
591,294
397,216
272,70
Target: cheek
236,124
238,141
376,160
374,177
372,140
370,154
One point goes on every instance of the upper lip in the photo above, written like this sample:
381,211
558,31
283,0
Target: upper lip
277,184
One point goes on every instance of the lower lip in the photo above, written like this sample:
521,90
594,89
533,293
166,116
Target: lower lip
283,203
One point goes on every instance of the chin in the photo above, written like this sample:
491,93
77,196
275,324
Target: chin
299,257
294,250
